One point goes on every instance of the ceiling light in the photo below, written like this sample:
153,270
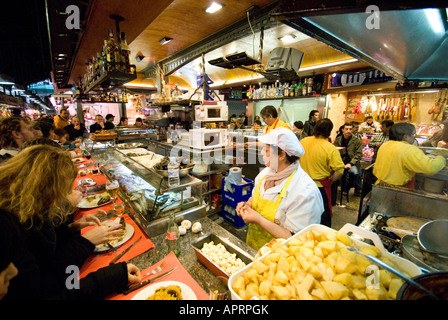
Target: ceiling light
215,6
287,37
139,85
165,40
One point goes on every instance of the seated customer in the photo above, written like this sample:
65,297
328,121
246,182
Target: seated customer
76,129
399,160
9,249
109,125
98,125
36,187
14,132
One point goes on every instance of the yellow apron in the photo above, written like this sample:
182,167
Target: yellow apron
256,235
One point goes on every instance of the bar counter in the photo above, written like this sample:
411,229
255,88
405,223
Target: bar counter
203,276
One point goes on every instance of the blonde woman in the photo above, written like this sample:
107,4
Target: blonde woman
36,187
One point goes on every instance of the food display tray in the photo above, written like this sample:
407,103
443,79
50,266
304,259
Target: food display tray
355,234
198,244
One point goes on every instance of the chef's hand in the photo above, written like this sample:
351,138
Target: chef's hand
348,166
378,144
101,234
242,204
133,273
249,215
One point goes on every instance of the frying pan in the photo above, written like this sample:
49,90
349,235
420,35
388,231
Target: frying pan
432,236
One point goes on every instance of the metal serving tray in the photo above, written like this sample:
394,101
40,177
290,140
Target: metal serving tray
198,244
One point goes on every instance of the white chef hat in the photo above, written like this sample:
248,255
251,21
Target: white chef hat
284,139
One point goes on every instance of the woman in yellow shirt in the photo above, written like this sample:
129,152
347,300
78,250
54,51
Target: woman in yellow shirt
321,158
398,160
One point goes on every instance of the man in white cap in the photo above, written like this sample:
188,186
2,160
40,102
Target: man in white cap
284,199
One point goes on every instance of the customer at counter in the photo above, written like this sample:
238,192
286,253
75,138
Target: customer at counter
109,125
9,245
61,120
284,199
139,123
98,125
76,129
297,128
123,122
351,156
399,160
323,162
50,241
240,124
270,117
14,132
311,122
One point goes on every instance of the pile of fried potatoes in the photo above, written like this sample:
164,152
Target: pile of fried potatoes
317,266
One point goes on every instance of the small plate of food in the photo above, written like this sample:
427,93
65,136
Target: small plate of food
127,231
89,181
95,200
78,160
166,290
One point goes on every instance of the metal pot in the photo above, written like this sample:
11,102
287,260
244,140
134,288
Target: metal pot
437,283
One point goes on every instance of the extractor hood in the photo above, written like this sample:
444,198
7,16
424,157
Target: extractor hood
409,45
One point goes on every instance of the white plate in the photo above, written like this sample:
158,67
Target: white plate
84,204
88,180
116,244
186,291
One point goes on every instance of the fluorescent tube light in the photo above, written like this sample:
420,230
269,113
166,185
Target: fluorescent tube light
325,65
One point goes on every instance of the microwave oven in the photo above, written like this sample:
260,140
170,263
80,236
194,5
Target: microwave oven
204,138
212,111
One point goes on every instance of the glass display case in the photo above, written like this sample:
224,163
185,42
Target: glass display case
128,134
145,191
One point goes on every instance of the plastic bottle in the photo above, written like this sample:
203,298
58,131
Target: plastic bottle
173,173
172,236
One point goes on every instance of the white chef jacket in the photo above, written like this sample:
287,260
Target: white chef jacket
302,205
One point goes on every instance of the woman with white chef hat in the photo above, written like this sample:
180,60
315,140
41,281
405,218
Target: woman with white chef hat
284,199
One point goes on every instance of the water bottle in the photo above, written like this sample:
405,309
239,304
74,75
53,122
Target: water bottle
173,173
172,236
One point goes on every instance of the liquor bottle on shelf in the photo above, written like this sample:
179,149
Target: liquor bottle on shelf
293,88
286,90
111,52
310,86
125,54
304,88
124,97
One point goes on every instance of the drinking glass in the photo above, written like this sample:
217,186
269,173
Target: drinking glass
112,187
96,168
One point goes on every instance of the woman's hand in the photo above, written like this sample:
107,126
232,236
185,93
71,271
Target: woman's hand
90,219
249,215
74,197
242,204
133,273
101,234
